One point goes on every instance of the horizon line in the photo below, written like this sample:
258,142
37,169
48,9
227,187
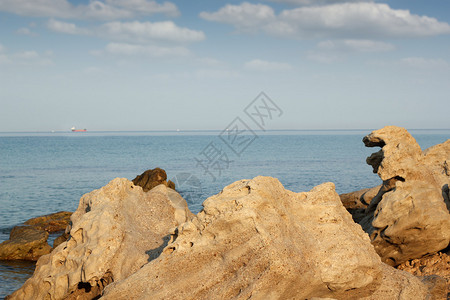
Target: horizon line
212,130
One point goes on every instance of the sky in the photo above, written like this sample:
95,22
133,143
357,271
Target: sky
196,65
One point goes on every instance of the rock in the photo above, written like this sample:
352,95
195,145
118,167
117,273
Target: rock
359,199
257,240
60,239
151,178
437,286
52,222
357,202
29,242
402,286
115,231
431,265
25,243
409,216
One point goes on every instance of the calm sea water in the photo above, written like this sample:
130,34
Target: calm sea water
42,173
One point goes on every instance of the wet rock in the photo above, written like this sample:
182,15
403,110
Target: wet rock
52,222
151,178
25,243
115,231
60,239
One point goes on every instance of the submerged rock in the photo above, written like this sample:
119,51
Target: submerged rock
257,240
115,231
151,178
409,217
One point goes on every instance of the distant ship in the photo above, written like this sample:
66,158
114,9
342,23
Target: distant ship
78,130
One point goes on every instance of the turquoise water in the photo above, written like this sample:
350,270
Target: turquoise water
41,173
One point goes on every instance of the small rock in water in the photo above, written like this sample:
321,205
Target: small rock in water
25,243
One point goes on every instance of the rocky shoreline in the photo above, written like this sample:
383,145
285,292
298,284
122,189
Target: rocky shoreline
255,239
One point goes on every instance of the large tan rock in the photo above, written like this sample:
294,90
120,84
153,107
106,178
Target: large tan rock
115,231
409,217
257,240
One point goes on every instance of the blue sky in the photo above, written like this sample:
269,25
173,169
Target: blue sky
154,65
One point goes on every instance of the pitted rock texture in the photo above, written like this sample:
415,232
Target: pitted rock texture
257,240
409,217
115,231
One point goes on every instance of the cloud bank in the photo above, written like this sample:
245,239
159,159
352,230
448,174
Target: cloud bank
96,10
355,20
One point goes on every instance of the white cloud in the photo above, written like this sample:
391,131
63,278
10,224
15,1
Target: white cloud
25,31
145,50
324,58
262,65
205,74
148,7
26,55
317,2
355,45
95,9
146,31
330,51
24,58
210,62
357,20
134,32
244,17
421,62
64,27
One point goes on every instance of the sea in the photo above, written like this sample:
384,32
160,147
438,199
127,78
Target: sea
47,172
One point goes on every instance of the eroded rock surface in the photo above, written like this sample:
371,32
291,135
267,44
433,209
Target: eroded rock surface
431,265
257,240
409,216
151,178
115,231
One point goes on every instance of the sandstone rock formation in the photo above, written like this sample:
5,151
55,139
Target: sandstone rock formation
409,216
25,243
115,231
151,178
257,240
